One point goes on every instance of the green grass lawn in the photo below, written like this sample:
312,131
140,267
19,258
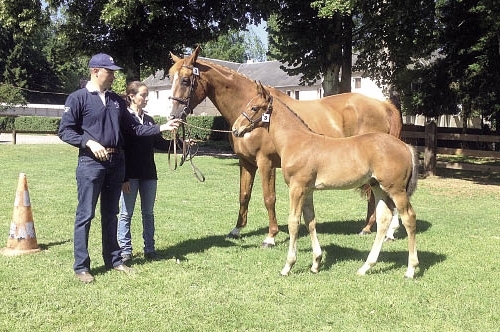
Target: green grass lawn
205,282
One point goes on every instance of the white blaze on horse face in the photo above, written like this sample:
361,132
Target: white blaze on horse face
174,83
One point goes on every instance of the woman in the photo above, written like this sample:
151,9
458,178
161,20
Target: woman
140,176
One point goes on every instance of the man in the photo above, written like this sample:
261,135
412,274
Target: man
94,121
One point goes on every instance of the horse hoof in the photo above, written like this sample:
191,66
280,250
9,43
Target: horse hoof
409,274
362,233
266,245
389,239
233,236
286,270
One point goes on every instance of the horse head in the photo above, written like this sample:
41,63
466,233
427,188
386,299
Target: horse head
256,114
185,76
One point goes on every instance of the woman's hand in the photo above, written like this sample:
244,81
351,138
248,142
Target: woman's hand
126,187
170,125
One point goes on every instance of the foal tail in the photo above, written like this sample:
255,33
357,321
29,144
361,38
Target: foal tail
411,186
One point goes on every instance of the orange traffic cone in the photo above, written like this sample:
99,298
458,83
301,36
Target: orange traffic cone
22,236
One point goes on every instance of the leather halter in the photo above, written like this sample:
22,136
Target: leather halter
253,121
187,101
187,151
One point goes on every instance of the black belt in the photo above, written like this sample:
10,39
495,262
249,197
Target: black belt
113,150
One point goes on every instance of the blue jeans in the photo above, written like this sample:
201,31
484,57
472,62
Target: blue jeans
147,191
98,178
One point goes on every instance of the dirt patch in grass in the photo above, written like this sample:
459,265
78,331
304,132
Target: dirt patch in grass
463,182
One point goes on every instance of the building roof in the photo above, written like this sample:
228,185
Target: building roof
268,72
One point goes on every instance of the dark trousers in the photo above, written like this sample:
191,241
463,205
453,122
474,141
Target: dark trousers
98,178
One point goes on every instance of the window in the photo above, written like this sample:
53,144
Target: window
297,94
357,83
288,92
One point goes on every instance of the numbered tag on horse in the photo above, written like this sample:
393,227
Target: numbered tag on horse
196,71
266,117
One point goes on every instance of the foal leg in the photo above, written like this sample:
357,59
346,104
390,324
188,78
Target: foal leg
296,203
247,176
383,215
268,177
310,221
409,219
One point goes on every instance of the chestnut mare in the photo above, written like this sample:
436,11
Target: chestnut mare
338,116
311,161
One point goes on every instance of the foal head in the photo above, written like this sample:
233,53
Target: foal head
256,114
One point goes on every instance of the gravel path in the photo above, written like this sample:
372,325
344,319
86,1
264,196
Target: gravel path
6,138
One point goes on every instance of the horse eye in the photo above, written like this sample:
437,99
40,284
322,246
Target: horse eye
255,109
185,81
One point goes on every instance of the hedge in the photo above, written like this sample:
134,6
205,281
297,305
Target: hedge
203,128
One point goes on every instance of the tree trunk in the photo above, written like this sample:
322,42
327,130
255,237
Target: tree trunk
345,81
330,82
331,76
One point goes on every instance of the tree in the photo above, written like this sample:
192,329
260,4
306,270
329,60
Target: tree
23,62
140,34
473,59
427,51
235,46
316,47
228,47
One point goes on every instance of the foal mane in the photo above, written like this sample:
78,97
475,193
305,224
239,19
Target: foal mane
297,116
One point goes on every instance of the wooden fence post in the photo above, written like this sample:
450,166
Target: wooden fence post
14,134
430,148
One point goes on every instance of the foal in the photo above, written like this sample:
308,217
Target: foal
311,162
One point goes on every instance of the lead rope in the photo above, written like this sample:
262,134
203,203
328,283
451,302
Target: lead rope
173,139
186,153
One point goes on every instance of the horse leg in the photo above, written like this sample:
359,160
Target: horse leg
247,176
393,226
370,220
268,177
310,221
383,215
296,197
409,219
370,215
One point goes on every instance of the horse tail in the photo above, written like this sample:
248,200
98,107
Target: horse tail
411,186
395,119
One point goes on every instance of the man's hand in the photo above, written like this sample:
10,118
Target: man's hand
98,150
170,125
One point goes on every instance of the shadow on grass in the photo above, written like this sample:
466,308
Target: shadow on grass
483,178
399,259
192,246
47,246
352,227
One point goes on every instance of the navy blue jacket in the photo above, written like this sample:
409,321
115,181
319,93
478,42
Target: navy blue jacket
139,152
86,118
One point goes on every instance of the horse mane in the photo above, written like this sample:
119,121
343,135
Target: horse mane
296,115
221,68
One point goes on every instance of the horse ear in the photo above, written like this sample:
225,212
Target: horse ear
260,88
174,57
195,53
